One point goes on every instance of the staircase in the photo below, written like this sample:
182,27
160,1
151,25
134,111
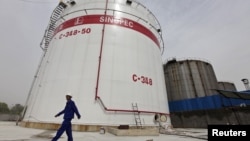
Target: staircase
49,32
137,115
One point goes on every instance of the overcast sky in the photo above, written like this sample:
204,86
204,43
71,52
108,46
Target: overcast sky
217,31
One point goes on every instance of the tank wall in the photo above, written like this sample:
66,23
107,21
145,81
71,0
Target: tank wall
189,79
117,59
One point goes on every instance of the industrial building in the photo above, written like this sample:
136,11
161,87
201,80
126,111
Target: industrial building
223,85
197,99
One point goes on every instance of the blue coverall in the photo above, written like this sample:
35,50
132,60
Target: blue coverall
69,111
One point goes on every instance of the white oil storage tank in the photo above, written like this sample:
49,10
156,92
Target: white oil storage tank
107,54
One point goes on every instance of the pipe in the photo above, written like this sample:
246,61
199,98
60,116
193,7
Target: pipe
100,55
129,111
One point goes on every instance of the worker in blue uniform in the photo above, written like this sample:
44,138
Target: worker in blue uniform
69,111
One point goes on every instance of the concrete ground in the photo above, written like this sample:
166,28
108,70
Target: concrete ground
9,131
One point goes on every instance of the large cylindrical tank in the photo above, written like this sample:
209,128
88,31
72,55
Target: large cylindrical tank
223,85
107,54
189,78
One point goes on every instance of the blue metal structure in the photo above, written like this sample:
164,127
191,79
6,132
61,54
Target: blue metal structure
216,101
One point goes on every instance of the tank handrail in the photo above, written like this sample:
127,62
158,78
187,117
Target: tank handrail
55,16
186,59
129,111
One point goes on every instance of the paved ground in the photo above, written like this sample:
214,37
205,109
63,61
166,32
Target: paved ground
10,132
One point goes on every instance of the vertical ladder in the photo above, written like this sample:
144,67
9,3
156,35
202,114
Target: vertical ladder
49,32
137,115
